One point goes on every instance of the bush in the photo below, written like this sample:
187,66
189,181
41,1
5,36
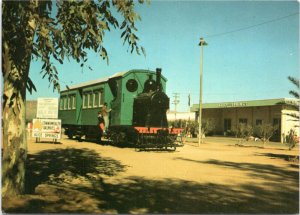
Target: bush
291,139
191,128
244,131
265,131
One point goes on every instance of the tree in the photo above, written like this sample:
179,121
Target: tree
265,132
294,105
40,30
244,132
291,138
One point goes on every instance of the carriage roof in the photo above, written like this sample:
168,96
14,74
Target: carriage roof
104,80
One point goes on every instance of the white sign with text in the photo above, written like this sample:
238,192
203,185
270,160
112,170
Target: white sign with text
46,128
47,108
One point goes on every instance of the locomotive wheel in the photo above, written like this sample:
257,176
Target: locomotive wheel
118,138
70,134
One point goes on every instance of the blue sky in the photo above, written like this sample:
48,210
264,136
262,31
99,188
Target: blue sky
244,65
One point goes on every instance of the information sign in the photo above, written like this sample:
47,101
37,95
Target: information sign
47,108
46,128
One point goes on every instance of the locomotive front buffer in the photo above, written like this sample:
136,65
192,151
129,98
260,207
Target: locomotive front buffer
159,138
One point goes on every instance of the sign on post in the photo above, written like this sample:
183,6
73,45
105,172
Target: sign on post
47,108
46,128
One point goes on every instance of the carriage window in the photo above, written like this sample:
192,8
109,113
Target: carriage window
97,98
65,103
61,103
69,102
73,101
131,85
90,103
85,100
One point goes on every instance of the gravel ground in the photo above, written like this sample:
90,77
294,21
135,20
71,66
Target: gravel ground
217,177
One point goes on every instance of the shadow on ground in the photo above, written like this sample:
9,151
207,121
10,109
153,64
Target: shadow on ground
286,157
149,148
51,164
265,171
90,190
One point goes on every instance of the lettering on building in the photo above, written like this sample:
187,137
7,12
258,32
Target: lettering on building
233,104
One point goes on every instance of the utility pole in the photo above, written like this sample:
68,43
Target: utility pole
201,44
176,102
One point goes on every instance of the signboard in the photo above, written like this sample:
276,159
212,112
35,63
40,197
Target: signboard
46,128
47,108
233,104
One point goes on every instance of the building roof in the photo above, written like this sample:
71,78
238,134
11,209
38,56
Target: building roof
103,80
252,103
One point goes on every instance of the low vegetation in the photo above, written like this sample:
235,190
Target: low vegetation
191,128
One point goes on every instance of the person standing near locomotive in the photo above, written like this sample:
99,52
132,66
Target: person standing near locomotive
100,125
105,113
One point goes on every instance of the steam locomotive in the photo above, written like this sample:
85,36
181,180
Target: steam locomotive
139,105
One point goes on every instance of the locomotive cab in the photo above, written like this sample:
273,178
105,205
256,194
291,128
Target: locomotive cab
150,107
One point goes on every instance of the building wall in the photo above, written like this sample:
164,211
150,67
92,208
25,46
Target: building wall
181,115
265,114
216,116
268,111
288,122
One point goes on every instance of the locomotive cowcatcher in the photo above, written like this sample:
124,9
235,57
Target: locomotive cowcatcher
139,105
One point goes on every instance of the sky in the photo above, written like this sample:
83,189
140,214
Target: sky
253,46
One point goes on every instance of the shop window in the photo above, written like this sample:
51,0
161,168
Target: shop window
227,124
243,121
277,132
276,121
259,122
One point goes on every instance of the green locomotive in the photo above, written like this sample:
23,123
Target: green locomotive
138,102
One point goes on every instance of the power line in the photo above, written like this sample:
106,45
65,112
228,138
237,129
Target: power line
251,26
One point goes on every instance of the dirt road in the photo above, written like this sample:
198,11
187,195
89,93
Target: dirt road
217,177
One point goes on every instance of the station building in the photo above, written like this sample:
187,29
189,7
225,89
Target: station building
228,115
174,115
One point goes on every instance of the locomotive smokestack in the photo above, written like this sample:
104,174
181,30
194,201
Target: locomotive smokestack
158,77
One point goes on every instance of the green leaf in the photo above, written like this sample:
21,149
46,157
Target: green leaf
123,24
143,51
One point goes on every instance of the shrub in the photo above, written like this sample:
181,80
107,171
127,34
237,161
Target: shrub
291,139
192,127
265,131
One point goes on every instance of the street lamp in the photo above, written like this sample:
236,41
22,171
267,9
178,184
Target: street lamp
201,44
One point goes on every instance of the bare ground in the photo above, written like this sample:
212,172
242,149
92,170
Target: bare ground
217,177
